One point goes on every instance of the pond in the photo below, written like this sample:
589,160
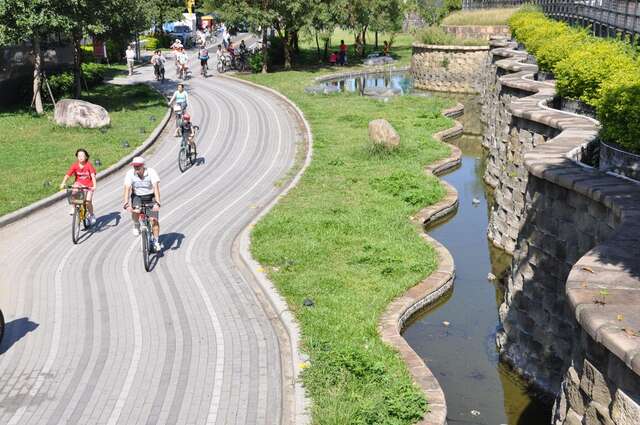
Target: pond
374,84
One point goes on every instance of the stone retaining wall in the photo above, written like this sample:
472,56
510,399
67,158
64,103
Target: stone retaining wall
453,69
484,32
571,313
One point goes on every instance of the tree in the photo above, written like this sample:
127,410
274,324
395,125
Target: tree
31,21
324,18
387,16
160,11
258,14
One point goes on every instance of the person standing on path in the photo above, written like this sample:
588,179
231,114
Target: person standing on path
131,55
343,53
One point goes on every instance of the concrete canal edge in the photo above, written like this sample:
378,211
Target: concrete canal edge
430,289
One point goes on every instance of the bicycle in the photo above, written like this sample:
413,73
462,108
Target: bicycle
146,234
224,63
204,69
188,152
77,196
159,72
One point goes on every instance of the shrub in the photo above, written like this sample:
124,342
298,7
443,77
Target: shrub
151,43
61,84
255,62
582,73
619,110
553,50
93,73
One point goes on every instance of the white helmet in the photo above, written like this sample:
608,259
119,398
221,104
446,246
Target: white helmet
137,161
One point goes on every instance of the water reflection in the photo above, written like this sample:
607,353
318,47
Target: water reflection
461,352
376,83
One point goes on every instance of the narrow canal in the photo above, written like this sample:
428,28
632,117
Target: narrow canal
456,338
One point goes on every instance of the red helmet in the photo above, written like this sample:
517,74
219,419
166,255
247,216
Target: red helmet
186,117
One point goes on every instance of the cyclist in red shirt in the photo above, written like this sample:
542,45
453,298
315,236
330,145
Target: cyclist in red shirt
85,176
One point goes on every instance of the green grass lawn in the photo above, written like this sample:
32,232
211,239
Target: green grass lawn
36,152
494,16
343,239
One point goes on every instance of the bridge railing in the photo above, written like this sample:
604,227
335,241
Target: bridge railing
606,18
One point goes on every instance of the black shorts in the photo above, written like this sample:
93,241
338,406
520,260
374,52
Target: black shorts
149,200
203,62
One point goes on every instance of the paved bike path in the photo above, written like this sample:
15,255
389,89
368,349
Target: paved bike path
92,338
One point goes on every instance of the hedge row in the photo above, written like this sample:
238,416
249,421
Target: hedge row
603,73
62,84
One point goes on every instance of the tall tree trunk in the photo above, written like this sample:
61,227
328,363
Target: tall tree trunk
326,48
318,45
376,39
265,50
287,49
77,64
364,41
295,46
37,75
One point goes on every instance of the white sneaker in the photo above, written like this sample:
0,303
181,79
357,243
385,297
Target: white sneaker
157,246
72,210
136,230
92,220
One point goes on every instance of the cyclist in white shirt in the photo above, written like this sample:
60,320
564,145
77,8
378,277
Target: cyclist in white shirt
142,186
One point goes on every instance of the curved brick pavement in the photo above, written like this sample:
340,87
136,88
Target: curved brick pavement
94,339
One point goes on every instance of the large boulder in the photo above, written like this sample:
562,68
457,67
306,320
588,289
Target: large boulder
78,113
381,132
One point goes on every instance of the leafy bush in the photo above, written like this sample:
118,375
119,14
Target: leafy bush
553,50
619,111
255,62
93,73
582,73
603,73
151,43
437,36
61,84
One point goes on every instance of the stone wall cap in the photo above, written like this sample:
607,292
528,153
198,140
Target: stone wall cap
453,48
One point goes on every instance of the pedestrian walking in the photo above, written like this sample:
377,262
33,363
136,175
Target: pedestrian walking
131,55
343,53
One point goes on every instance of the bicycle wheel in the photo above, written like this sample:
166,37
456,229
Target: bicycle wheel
75,225
193,154
144,233
183,160
220,67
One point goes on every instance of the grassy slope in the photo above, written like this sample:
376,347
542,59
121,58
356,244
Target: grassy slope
343,239
497,16
36,152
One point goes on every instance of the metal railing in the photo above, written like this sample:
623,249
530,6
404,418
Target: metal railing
606,18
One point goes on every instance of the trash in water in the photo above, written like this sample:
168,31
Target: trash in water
491,277
445,323
475,201
475,413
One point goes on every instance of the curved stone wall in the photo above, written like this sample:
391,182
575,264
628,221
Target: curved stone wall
453,69
571,313
484,32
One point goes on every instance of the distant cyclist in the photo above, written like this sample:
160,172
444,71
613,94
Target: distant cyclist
181,97
142,186
85,177
203,55
158,61
182,63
